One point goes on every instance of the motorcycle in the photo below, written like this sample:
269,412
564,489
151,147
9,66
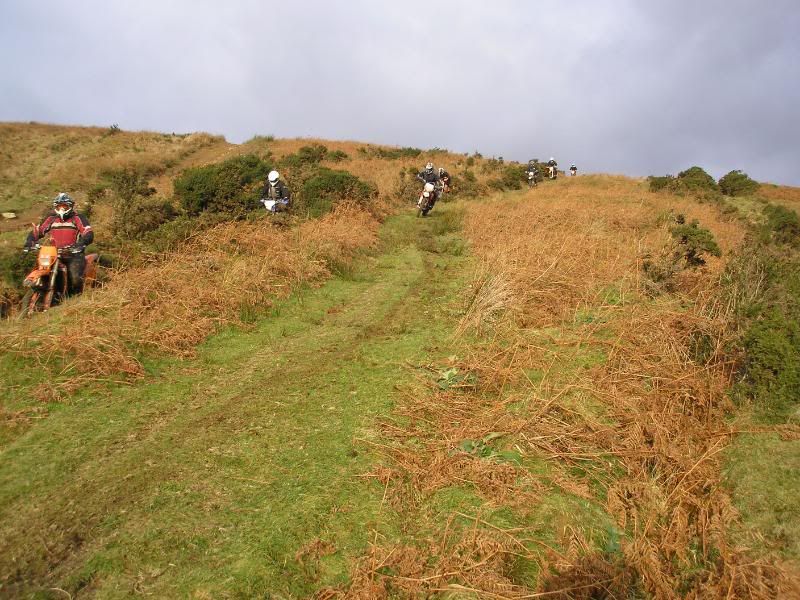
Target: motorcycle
552,171
532,179
426,200
48,281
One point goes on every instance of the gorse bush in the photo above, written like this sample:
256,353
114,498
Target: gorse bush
696,179
327,187
141,214
782,225
305,156
693,242
230,187
693,180
737,183
763,284
511,178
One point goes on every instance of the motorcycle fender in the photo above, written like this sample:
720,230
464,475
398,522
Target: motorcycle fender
36,274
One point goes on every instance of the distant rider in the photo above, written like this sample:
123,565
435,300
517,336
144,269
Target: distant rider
275,196
552,167
444,183
68,230
573,170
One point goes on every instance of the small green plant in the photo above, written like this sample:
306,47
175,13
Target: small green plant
737,183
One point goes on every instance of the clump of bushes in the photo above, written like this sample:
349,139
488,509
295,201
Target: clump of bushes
231,187
305,156
389,153
736,183
326,187
510,178
763,284
692,180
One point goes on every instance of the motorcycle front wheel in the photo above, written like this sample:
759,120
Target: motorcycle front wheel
25,305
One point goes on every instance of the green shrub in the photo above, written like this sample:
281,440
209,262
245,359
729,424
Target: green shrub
782,225
326,187
772,363
305,156
230,187
126,184
696,179
465,184
511,178
139,215
694,241
737,183
15,265
693,180
337,156
657,184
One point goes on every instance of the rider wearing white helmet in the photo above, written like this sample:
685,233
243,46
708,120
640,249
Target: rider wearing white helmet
275,195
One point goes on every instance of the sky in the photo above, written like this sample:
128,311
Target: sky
615,86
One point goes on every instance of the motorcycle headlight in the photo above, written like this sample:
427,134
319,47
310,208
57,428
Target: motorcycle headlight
45,261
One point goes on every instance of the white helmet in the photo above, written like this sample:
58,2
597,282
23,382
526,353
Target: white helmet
429,167
551,158
273,176
428,187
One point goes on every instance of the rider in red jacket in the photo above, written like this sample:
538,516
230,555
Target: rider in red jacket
68,230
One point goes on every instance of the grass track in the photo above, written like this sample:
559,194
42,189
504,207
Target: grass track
220,474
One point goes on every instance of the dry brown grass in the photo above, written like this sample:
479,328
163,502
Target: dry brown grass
172,304
786,195
647,423
41,160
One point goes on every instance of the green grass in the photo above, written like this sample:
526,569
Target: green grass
763,472
210,477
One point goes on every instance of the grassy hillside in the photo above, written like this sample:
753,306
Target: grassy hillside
560,392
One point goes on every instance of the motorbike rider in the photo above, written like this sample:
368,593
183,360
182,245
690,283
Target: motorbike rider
444,183
430,175
553,167
68,230
573,170
532,173
275,196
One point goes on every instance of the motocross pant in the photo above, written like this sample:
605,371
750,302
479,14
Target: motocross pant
76,266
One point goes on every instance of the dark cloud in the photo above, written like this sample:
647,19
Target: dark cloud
617,86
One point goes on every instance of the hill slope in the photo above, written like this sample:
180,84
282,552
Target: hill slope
529,391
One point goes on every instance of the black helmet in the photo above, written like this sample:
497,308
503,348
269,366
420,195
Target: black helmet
63,204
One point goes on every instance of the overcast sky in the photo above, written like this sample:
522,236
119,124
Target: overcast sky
626,86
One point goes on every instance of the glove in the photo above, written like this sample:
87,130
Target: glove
77,248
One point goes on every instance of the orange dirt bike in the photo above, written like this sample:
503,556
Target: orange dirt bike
47,283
